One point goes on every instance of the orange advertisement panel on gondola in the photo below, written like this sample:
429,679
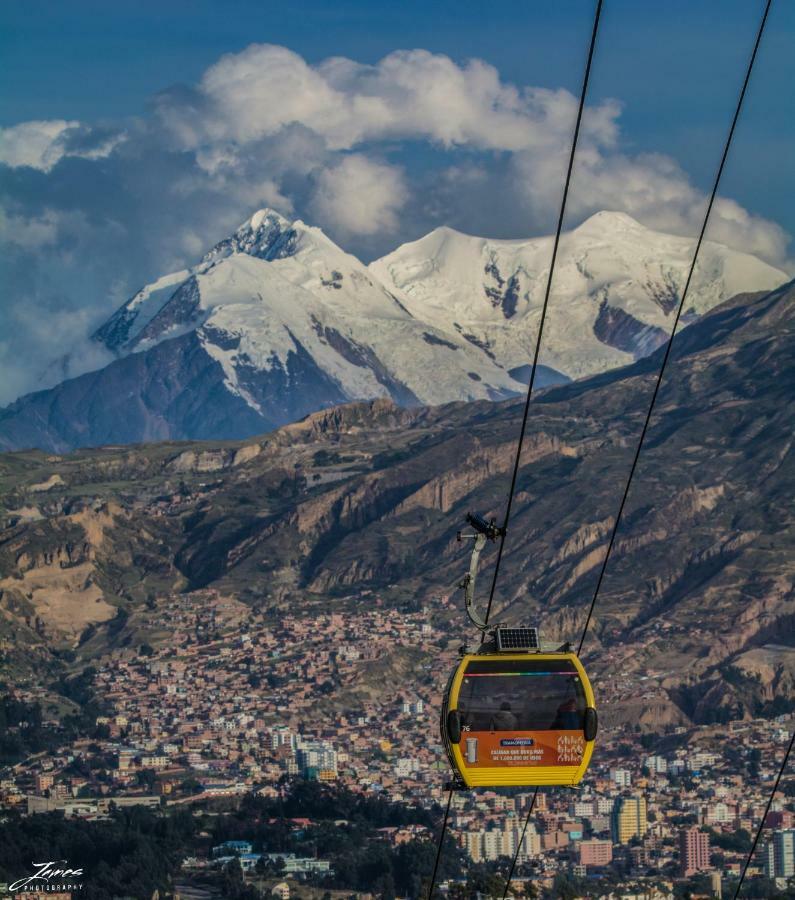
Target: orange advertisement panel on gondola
519,719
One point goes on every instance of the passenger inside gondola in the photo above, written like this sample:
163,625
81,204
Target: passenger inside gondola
521,696
504,719
568,718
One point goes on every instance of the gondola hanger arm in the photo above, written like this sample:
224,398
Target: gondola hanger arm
484,531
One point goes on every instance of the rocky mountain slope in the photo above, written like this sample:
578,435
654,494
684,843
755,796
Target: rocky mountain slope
276,321
366,498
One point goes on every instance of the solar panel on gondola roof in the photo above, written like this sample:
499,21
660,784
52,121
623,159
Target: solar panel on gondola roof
522,638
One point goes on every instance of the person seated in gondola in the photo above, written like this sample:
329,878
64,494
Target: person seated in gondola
567,718
504,719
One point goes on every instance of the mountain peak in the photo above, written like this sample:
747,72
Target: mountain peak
281,320
268,220
610,220
264,215
446,231
266,235
442,240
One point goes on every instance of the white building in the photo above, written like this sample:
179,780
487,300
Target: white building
482,845
604,806
784,853
317,755
621,777
657,765
718,814
696,762
406,766
282,737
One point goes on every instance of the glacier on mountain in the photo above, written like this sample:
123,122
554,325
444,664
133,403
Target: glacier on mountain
615,287
276,321
448,316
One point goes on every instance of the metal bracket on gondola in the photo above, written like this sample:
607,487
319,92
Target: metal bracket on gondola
457,784
485,530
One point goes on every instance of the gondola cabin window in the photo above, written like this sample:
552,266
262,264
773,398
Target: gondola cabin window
522,713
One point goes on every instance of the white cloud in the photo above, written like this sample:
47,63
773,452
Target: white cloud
731,224
653,189
35,144
408,94
360,196
336,143
40,144
269,93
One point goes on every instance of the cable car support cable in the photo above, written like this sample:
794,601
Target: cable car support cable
680,308
440,845
545,305
764,816
642,438
502,531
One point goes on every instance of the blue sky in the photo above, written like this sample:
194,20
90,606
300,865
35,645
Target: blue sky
152,131
675,65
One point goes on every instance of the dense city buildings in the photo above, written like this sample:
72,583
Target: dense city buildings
233,704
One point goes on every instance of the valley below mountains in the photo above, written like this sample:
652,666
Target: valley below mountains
360,504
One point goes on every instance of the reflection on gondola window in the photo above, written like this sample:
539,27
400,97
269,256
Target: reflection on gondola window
521,696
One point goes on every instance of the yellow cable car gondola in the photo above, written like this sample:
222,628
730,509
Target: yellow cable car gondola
521,719
515,714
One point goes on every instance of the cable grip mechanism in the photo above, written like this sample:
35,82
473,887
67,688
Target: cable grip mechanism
485,530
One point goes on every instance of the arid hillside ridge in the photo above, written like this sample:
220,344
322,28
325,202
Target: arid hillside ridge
363,501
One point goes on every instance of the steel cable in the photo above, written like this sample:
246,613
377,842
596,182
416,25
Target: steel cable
669,344
633,467
764,816
545,305
537,350
440,844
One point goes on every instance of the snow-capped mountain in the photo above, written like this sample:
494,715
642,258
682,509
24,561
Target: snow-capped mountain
615,287
277,321
281,299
